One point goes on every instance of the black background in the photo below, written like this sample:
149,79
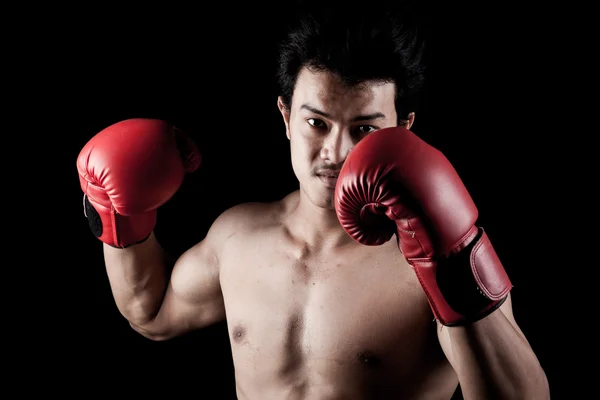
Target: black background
490,104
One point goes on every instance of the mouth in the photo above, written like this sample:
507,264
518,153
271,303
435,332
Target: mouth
328,178
328,173
333,175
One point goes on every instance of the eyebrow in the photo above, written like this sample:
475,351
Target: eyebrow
376,115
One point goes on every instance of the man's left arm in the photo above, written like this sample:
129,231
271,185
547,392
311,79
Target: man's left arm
493,358
394,183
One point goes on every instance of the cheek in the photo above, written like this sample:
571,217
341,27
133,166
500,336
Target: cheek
304,152
305,143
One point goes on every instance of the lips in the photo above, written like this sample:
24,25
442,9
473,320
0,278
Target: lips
329,174
333,176
328,178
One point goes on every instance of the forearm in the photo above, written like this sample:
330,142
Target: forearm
138,277
494,361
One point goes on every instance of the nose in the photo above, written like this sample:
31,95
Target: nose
336,146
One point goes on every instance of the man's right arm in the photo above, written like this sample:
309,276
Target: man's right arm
161,306
127,171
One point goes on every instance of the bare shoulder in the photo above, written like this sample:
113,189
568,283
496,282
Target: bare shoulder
248,218
241,221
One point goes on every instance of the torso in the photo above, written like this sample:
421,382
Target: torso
353,324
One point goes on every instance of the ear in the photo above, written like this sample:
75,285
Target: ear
286,115
410,121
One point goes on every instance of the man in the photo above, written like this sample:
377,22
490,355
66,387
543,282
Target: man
319,302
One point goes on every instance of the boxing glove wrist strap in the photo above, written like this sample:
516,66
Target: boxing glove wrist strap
467,286
117,230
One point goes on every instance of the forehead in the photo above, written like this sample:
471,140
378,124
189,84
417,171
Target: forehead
322,88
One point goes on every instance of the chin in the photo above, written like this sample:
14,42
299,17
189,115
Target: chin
322,198
330,207
317,193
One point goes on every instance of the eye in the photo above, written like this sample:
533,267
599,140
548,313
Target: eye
366,129
317,123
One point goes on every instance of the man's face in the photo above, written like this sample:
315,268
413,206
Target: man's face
325,122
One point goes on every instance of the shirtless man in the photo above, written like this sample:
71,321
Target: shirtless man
316,308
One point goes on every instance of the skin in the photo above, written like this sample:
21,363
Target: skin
311,313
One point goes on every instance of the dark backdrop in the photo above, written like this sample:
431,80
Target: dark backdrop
488,105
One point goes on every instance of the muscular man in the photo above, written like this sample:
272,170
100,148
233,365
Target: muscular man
321,302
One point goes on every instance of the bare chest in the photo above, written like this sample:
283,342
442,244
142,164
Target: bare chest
348,318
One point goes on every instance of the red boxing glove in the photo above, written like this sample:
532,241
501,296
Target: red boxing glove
394,183
127,171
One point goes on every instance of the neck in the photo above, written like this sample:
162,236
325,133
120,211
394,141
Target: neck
317,226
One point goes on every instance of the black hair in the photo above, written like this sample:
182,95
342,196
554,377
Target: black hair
358,45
